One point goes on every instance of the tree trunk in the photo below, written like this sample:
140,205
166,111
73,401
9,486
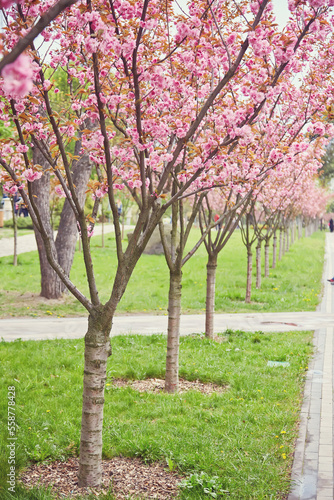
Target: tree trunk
292,232
15,232
51,286
249,276
67,232
284,242
97,351
102,232
173,333
280,251
287,241
266,260
211,268
258,266
274,251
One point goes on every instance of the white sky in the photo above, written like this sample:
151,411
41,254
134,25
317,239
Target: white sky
281,11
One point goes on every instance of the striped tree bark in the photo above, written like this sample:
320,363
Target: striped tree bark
173,332
266,259
211,269
273,265
249,276
258,265
97,351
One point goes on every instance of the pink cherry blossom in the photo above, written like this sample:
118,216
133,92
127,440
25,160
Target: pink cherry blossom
17,77
60,192
10,189
5,4
31,175
22,148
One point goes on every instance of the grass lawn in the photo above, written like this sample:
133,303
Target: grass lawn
294,285
244,436
7,232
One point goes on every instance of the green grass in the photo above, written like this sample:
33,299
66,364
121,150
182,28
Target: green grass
7,232
294,285
244,436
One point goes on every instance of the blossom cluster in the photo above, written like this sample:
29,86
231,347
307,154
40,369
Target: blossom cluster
199,96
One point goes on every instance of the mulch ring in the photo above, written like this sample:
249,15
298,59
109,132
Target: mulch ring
128,476
158,385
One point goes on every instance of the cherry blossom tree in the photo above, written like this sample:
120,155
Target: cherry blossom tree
161,87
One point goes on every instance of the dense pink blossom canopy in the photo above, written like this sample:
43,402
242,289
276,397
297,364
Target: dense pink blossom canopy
216,95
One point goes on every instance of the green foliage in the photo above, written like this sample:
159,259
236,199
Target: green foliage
22,223
288,288
203,484
6,132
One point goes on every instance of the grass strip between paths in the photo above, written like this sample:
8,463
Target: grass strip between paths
294,285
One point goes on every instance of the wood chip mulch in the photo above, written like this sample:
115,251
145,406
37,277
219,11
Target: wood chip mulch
128,476
158,385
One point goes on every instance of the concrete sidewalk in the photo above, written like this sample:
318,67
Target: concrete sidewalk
312,473
51,328
27,243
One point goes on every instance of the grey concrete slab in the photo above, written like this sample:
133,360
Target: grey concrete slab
40,328
27,243
312,471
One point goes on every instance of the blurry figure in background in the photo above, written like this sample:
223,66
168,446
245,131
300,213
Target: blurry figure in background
119,207
23,210
331,225
218,226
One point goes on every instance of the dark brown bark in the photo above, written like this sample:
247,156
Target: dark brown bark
211,269
51,285
67,231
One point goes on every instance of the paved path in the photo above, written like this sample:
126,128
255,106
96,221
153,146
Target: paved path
312,474
51,328
27,243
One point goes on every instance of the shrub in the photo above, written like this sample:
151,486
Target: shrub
22,223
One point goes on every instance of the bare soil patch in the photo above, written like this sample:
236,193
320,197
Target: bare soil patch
126,476
158,385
